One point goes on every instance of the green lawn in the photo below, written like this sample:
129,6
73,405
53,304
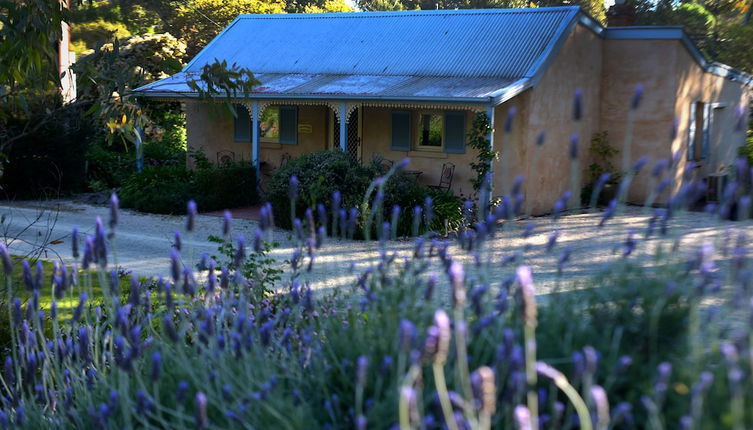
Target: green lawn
70,299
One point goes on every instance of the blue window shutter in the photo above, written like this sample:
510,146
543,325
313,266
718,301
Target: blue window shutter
454,132
691,133
400,131
288,125
241,124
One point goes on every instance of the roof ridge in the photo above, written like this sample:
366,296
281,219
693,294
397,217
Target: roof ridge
405,13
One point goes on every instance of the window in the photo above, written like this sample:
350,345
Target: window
699,131
277,124
435,131
430,131
269,125
241,124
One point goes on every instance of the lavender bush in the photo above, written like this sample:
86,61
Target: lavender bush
661,345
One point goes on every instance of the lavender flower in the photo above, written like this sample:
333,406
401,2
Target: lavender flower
7,263
637,96
577,105
191,212
540,139
74,242
574,146
599,397
114,207
182,390
406,335
528,295
457,278
293,188
522,418
227,218
202,420
510,118
156,366
361,370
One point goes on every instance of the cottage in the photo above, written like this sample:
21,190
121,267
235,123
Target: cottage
408,84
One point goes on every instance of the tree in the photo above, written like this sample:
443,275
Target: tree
29,78
198,21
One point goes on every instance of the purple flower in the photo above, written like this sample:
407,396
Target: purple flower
74,242
293,188
574,146
114,207
457,278
577,105
540,139
510,118
637,96
177,242
522,418
202,420
406,335
80,308
528,294
639,164
402,164
362,368
227,218
7,263
191,212
182,390
156,365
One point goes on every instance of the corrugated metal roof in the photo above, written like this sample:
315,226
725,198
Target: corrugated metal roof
431,54
335,86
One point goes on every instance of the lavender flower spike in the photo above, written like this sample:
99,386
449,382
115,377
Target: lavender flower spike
510,118
457,278
227,218
637,96
114,207
599,397
74,242
528,294
442,323
523,418
578,105
293,188
574,146
202,420
191,211
7,263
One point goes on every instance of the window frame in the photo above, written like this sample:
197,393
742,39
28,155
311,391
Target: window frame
264,139
419,128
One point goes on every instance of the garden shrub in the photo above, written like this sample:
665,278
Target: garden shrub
159,189
225,187
319,174
322,173
166,189
47,161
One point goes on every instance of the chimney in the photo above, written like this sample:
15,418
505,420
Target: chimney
621,14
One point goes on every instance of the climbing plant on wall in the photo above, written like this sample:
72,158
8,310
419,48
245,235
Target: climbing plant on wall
478,138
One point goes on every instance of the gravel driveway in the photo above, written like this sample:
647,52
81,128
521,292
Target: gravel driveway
142,241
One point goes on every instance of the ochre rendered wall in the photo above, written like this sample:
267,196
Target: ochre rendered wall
548,108
672,80
210,128
377,137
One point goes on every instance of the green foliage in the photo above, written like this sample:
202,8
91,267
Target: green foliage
47,162
159,189
88,34
198,21
602,153
167,188
225,187
120,67
478,138
259,268
319,174
448,211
